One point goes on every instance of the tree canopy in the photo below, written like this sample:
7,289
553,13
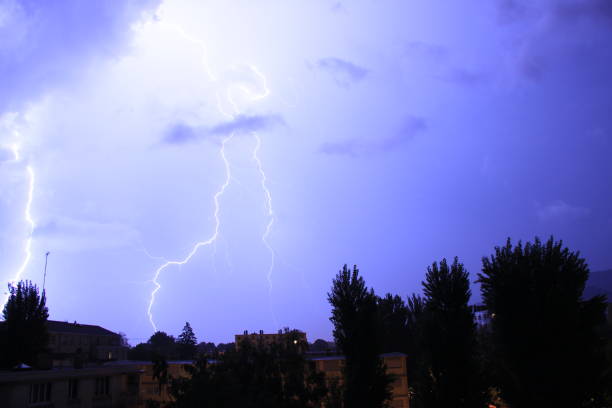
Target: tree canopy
25,334
187,343
256,375
356,323
449,341
544,334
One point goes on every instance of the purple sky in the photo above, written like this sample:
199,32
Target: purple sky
391,133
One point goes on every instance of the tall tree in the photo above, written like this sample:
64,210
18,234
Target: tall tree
545,335
187,343
418,355
25,324
356,324
450,338
393,315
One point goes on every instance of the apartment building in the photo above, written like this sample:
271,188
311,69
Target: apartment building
267,339
76,343
115,386
396,365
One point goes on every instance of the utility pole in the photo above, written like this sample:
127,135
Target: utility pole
45,274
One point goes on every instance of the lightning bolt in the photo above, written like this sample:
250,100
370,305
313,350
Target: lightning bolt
213,238
270,223
269,210
228,177
268,195
27,215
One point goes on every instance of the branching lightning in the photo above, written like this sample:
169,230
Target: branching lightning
200,244
229,97
27,215
28,218
269,210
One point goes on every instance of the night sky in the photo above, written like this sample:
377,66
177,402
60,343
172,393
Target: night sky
289,138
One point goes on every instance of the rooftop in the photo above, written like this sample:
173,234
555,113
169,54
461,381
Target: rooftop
77,328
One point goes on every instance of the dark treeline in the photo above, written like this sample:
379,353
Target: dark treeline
538,342
161,344
254,375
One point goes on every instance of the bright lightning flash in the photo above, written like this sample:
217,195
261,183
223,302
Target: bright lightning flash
251,96
27,215
269,210
213,238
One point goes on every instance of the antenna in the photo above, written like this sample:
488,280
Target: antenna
45,274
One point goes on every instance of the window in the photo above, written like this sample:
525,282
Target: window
393,362
331,365
398,382
73,388
40,393
102,386
398,404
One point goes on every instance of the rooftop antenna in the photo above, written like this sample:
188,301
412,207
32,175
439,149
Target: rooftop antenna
45,274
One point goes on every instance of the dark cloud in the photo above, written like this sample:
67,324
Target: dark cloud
585,9
511,11
338,7
180,133
560,209
440,58
348,147
245,123
344,72
552,38
412,126
44,43
435,52
464,77
532,66
6,155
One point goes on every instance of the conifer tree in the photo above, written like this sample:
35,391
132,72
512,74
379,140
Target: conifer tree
355,319
25,325
187,342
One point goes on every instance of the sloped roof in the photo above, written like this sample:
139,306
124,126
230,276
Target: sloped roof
77,328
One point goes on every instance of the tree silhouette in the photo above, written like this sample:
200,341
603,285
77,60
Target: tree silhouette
256,376
393,315
187,343
25,325
419,359
450,338
160,371
545,338
160,343
355,319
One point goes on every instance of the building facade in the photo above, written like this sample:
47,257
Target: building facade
102,386
75,343
396,365
267,339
